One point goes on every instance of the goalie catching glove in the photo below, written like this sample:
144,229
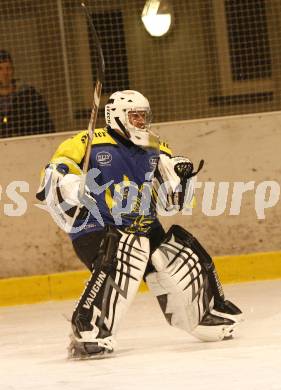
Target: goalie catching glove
174,181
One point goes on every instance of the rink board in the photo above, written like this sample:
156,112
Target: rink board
68,285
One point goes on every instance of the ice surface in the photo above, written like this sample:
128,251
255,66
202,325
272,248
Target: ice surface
151,355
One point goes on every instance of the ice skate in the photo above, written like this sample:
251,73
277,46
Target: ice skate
86,350
214,328
227,309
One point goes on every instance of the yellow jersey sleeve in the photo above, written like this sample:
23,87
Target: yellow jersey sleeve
72,151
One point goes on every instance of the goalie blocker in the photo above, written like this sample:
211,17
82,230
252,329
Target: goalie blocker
188,288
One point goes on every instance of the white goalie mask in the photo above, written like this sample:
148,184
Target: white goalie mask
129,113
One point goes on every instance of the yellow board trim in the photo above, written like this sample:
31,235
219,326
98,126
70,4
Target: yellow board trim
69,285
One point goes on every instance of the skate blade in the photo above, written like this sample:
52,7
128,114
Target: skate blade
97,356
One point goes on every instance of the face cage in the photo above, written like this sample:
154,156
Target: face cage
143,115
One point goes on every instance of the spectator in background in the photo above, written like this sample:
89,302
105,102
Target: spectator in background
23,110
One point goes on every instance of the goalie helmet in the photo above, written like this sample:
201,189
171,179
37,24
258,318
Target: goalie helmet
129,112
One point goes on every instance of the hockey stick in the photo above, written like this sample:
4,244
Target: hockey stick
96,100
85,200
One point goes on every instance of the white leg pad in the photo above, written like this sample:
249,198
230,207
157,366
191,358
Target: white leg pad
176,308
182,287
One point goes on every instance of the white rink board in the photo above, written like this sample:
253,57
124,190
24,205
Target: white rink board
224,145
151,354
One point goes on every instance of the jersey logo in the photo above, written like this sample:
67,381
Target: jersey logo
104,158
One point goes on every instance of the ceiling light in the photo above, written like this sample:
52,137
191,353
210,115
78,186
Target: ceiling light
157,17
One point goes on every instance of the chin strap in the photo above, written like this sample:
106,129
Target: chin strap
122,127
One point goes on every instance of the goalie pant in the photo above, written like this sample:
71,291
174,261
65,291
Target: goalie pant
174,273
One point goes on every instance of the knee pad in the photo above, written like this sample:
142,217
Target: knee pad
114,282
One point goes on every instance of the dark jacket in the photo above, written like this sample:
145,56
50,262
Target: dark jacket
25,113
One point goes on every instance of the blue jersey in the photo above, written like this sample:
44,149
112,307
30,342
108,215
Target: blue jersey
119,179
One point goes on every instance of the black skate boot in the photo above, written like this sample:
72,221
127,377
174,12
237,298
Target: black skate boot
227,309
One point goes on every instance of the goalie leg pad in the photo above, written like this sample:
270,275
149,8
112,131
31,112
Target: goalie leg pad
222,307
180,284
119,268
205,259
183,288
